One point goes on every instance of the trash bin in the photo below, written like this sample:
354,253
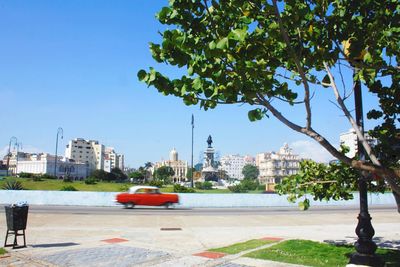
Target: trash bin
16,217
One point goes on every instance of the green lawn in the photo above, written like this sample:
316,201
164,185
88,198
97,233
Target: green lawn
239,247
2,251
312,253
51,184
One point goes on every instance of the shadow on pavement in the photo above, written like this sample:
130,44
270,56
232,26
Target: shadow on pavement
54,245
380,242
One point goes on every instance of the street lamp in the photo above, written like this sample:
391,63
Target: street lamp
59,131
19,146
191,173
13,138
364,245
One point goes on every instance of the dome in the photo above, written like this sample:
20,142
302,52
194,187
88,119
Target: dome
173,155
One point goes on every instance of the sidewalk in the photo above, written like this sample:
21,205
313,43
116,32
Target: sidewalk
164,240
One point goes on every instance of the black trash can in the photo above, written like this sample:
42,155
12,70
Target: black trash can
16,217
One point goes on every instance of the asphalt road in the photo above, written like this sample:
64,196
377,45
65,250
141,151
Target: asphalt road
143,210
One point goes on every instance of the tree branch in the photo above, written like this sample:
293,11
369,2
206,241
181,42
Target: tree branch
298,66
388,174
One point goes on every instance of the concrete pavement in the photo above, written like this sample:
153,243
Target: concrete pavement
56,239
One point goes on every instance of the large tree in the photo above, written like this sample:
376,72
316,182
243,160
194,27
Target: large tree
164,173
268,54
250,171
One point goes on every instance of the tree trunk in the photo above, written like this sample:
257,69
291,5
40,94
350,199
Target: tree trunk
397,198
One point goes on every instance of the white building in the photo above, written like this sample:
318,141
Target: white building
44,163
233,165
275,166
349,139
180,167
96,155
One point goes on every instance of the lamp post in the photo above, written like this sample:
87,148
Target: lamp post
364,245
59,131
18,145
191,173
13,138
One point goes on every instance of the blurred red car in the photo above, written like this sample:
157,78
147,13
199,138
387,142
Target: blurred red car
147,196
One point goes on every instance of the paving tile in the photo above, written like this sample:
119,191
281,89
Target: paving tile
109,255
210,255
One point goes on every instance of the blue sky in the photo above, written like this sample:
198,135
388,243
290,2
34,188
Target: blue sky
73,64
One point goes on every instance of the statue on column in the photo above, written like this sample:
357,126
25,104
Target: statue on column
209,141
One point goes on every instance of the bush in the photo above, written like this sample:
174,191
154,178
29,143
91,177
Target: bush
157,183
67,180
261,187
13,185
237,188
183,189
68,188
26,175
249,185
204,186
37,178
48,176
90,180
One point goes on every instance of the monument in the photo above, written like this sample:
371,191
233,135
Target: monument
209,172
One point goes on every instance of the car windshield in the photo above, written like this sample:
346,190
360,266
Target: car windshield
146,191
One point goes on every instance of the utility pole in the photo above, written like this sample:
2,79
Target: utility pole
59,131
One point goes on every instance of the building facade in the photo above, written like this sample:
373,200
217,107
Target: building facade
94,154
349,140
275,166
180,167
44,163
233,165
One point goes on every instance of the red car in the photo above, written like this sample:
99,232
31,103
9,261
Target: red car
147,196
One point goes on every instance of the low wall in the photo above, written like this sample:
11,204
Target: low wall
106,199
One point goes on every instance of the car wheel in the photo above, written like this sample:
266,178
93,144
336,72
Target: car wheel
168,205
129,205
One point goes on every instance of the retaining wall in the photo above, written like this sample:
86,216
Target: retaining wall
193,200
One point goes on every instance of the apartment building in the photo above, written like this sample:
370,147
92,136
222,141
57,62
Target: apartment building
274,166
96,155
233,165
349,139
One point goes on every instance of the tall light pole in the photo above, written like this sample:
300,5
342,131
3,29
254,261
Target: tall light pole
59,131
19,146
191,180
364,245
13,138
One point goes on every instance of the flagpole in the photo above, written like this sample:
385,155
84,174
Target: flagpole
191,181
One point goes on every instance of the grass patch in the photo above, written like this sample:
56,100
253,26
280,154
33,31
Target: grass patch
2,251
317,254
239,247
57,185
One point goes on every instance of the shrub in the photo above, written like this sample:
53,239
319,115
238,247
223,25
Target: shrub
249,185
37,178
183,189
67,180
68,188
90,180
48,176
124,188
237,188
204,186
157,183
13,185
26,175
